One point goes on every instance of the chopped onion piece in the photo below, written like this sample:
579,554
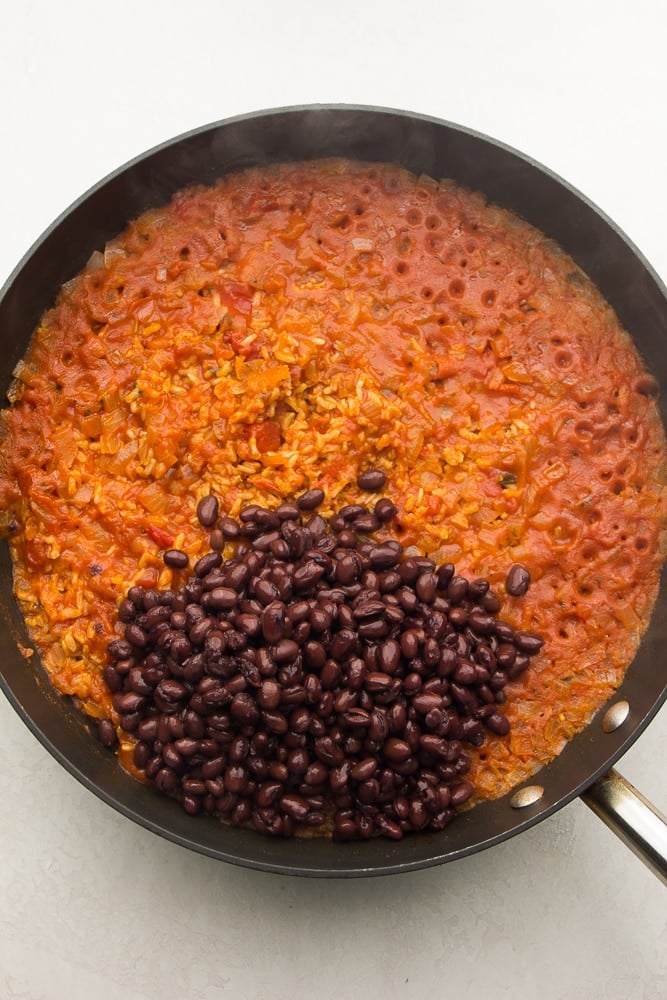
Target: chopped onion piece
95,261
113,252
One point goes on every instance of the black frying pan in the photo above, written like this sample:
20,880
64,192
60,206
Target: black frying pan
424,145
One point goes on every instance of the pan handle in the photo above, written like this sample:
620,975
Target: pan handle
632,818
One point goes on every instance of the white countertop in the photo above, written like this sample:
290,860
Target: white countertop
92,905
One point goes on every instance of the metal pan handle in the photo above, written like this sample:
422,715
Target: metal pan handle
632,818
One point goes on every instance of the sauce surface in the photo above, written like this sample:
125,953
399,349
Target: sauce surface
292,326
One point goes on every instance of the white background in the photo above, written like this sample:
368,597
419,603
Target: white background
93,906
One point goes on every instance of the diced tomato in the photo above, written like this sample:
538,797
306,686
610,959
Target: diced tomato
160,536
237,296
267,436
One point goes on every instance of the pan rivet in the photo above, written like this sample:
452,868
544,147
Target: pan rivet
526,796
615,716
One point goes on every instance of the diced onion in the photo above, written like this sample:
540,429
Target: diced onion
95,261
113,252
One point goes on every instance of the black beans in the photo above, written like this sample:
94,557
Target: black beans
119,649
208,562
517,580
310,499
497,723
207,511
385,509
106,732
528,642
372,480
315,669
176,558
383,557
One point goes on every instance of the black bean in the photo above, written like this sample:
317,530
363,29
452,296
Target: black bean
396,750
369,608
389,656
498,723
473,731
364,769
128,702
458,617
317,773
491,602
368,791
113,679
137,683
481,622
388,827
461,792
328,751
307,575
407,600
244,709
200,629
206,563
347,539
151,598
191,804
265,542
424,702
528,642
176,559
106,732
267,793
229,528
366,524
426,586
285,651
385,510
383,557
136,595
356,718
310,499
120,649
222,598
207,511
273,621
235,778
520,664
372,480
287,512
347,569
465,672
517,580
457,589
166,780
217,540
250,625
126,610
156,616
464,697
331,674
180,648
171,690
373,629
448,661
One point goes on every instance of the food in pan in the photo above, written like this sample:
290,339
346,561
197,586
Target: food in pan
294,329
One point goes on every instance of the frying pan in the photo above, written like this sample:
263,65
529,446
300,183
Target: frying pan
439,149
